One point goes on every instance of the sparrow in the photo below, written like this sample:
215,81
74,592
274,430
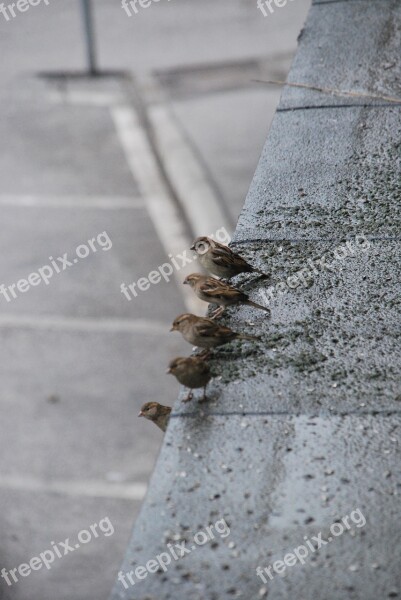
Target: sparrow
205,333
220,260
216,291
192,372
157,413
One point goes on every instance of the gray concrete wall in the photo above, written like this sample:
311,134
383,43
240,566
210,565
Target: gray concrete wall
302,428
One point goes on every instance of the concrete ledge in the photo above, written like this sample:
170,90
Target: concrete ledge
349,45
327,173
302,427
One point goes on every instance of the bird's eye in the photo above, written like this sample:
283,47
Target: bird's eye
202,247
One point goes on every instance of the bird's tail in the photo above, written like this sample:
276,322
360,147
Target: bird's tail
255,305
262,274
244,336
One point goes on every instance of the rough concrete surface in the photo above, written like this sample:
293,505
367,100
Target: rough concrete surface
366,64
302,427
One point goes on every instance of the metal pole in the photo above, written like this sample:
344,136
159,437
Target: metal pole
89,36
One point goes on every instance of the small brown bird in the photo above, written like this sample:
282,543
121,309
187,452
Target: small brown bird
204,332
193,372
220,260
157,413
216,291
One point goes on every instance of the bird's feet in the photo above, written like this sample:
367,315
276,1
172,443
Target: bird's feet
189,396
204,397
217,313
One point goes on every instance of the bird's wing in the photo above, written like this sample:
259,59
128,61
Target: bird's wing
205,328
224,257
203,367
211,285
224,332
217,289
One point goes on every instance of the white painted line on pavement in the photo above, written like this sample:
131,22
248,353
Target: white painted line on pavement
86,97
97,489
162,209
189,177
145,326
85,202
196,194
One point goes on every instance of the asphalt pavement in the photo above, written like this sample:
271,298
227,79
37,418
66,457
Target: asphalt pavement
77,357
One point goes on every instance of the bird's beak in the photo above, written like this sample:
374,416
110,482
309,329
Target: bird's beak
168,371
140,414
192,247
185,282
173,328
